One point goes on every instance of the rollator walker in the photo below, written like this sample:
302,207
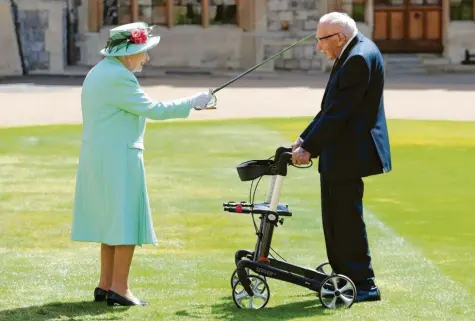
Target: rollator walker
251,291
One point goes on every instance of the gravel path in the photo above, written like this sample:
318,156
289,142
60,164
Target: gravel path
56,100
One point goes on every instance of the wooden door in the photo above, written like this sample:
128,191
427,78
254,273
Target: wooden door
408,26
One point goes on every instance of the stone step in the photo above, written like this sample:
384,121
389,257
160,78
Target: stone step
438,64
435,61
400,57
406,71
405,64
398,64
450,68
423,63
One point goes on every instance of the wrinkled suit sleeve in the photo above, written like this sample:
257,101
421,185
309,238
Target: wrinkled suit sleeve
310,126
131,98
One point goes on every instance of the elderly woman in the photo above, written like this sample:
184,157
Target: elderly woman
111,203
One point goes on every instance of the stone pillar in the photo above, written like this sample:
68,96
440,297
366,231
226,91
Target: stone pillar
10,63
170,20
134,10
93,16
205,13
255,15
445,26
43,35
83,17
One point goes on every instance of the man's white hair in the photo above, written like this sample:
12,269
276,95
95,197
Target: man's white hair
345,21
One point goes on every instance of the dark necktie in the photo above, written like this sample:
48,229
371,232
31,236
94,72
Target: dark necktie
335,65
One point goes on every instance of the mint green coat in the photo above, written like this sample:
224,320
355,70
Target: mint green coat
111,203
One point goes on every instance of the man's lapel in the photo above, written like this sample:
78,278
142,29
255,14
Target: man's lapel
345,54
339,61
330,79
335,66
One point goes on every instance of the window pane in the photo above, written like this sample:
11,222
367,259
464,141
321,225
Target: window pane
358,12
389,2
425,2
153,12
125,11
461,10
223,12
187,12
111,13
354,8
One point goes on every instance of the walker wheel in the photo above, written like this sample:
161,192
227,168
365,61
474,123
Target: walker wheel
337,291
325,268
261,294
235,277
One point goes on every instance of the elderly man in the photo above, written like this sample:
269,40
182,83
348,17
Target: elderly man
350,137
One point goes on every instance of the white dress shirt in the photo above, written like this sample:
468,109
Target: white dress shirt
347,43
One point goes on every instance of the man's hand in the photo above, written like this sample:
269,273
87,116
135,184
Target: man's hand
297,144
300,156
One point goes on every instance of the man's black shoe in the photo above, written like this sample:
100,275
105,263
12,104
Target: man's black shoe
372,294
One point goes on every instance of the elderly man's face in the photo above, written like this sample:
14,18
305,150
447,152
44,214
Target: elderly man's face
330,40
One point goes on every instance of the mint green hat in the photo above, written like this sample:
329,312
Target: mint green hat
130,39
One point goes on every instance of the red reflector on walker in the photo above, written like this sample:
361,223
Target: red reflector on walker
263,259
239,208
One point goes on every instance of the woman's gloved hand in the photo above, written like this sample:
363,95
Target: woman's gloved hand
201,99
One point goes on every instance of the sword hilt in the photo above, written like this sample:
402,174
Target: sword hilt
212,103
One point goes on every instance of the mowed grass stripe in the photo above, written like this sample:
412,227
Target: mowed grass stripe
408,280
187,277
428,197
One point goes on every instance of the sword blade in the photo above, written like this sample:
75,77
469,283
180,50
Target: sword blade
262,63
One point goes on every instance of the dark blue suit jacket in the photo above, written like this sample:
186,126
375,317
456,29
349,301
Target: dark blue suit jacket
349,134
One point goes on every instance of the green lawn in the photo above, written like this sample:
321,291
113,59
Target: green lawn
420,220
429,196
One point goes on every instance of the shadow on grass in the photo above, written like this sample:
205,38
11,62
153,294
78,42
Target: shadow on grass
225,309
84,310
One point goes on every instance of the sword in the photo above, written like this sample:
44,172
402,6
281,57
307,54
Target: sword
212,104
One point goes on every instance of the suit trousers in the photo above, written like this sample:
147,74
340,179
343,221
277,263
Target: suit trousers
345,230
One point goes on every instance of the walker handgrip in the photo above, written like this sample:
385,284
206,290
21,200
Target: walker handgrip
284,160
281,150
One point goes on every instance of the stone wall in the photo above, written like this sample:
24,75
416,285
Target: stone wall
10,62
228,47
276,24
287,22
33,25
216,47
182,46
460,37
298,14
290,21
42,29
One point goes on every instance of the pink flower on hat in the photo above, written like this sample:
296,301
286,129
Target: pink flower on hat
138,36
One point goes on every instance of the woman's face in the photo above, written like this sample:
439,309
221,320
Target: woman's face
136,62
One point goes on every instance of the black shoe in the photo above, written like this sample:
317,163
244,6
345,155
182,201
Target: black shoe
372,294
114,298
99,295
